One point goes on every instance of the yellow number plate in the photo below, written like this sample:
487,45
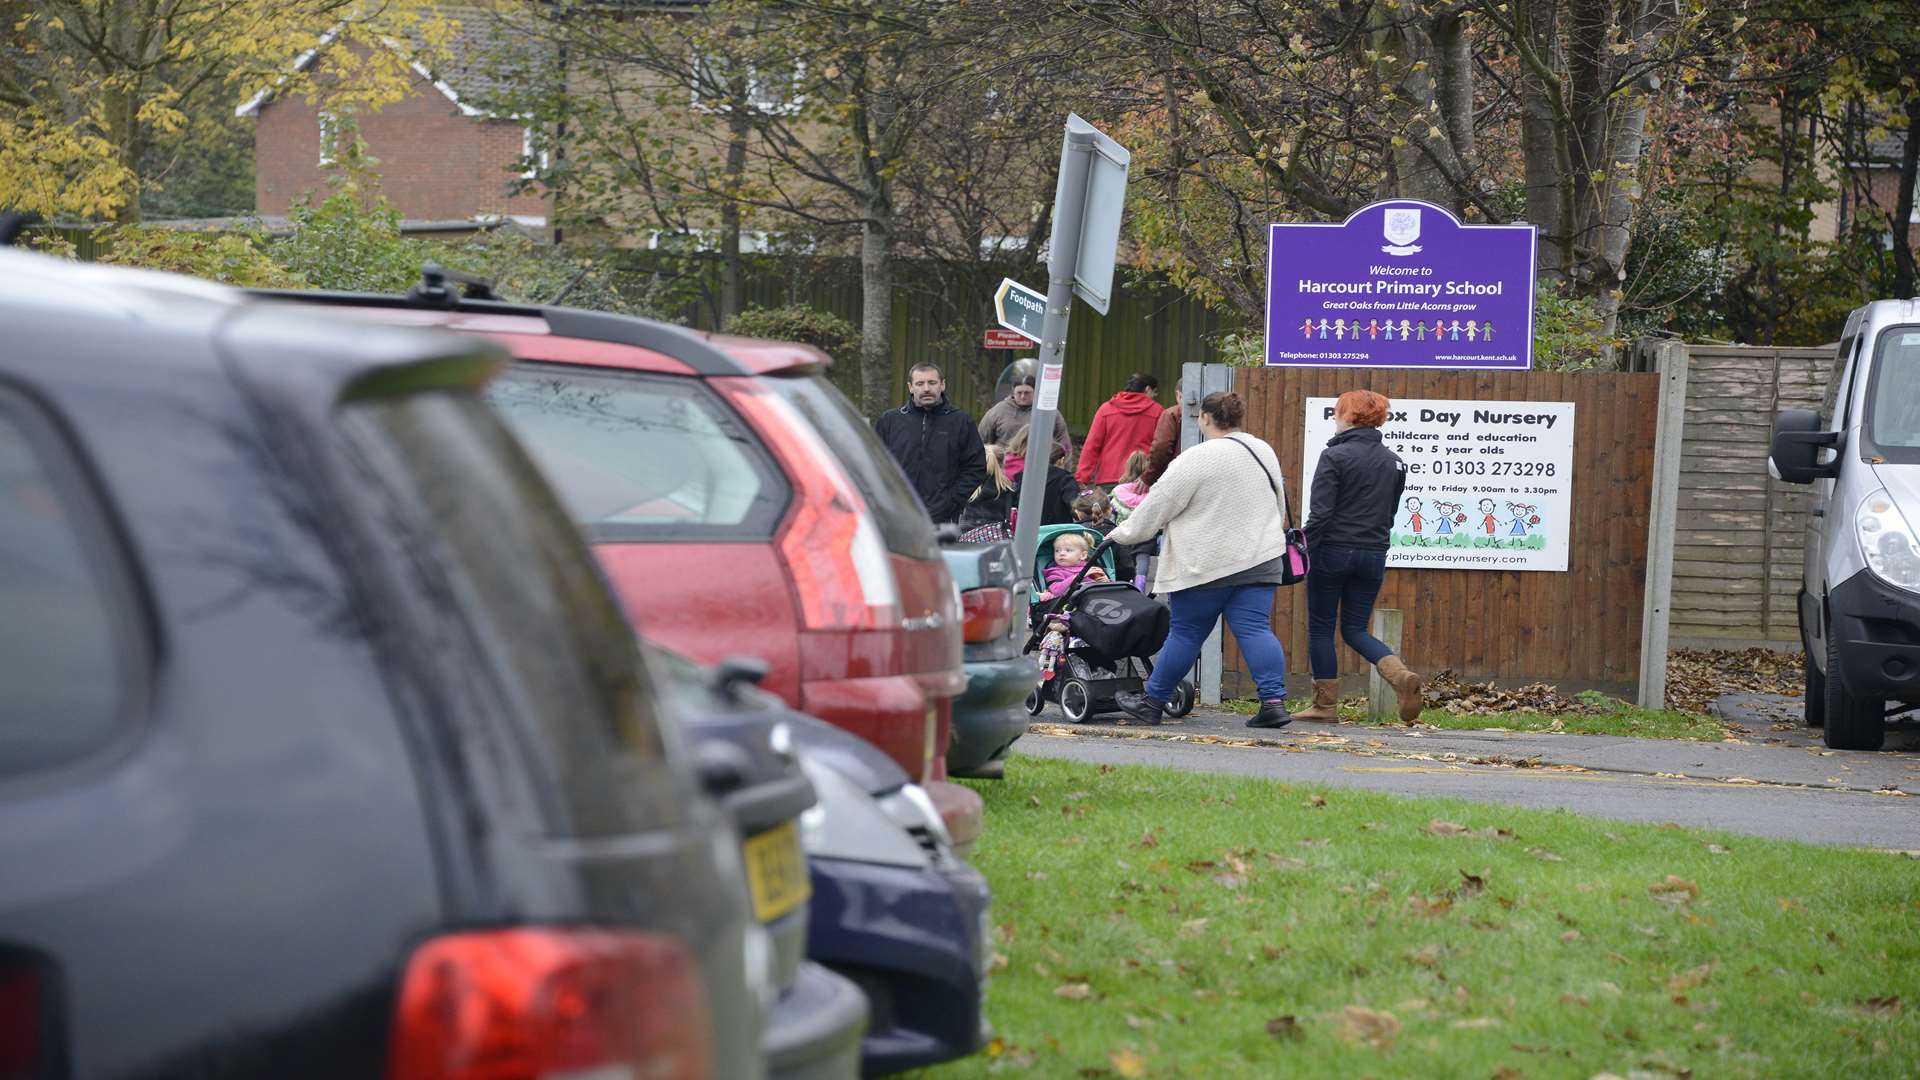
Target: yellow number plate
776,872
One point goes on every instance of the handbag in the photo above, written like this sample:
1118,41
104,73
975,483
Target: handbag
1294,569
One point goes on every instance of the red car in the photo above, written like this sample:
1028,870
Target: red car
739,505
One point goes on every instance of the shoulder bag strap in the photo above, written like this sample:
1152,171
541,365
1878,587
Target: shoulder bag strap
1285,506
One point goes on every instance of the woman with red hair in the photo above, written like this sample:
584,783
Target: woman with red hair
1356,489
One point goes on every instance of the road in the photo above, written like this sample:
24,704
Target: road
1795,792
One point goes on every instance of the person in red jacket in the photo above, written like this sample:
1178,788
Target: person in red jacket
1121,426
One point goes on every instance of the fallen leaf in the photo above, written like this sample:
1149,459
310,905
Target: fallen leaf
1716,849
1074,991
1286,862
1193,926
1432,909
1436,827
1472,884
1891,790
1878,1006
1358,1024
1316,802
1033,800
1036,875
1688,979
1738,780
1135,1022
1570,936
1545,855
1428,956
1674,889
1285,1027
1788,903
1312,841
1477,1022
1577,1001
1201,866
1147,840
1508,1072
1128,1064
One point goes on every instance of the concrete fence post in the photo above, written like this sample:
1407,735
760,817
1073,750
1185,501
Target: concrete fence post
1663,514
1382,703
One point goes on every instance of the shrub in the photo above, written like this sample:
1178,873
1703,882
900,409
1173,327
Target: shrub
823,330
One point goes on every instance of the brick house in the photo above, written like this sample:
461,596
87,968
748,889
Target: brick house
443,159
1871,190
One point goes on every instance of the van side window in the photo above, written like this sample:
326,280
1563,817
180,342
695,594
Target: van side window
68,640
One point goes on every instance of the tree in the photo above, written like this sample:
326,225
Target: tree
87,85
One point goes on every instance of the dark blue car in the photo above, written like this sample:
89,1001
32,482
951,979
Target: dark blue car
893,909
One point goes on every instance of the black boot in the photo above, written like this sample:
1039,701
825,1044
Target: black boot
1138,705
1272,714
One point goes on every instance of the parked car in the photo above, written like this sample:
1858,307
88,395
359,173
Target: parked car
324,751
738,504
987,717
1859,596
893,908
747,761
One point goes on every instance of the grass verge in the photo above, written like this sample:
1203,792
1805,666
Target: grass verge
1153,923
1609,716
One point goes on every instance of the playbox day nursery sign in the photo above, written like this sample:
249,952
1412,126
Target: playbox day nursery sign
1489,483
1402,284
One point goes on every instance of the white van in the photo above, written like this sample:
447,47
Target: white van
1860,590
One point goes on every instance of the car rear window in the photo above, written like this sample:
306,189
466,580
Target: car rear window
643,457
565,655
904,525
1893,396
66,649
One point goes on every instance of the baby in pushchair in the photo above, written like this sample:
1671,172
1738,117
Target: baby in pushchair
1095,636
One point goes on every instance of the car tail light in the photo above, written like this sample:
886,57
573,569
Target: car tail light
840,565
550,1004
987,614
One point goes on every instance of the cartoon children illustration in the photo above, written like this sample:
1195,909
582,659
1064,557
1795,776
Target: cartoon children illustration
1355,328
1486,330
1389,329
1339,330
1414,519
1486,517
1453,332
1473,330
1444,523
1306,329
1403,331
1373,329
1524,519
1323,329
1423,331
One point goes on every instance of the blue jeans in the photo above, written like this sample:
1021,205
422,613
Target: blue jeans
1341,588
1249,614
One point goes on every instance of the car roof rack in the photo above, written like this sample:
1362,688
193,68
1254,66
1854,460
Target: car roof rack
434,292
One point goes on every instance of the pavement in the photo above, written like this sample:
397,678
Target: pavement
1762,781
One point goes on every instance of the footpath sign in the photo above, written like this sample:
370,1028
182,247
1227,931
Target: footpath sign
997,338
1019,309
1489,483
1402,284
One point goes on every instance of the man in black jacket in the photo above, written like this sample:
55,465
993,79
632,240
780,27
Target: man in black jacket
937,445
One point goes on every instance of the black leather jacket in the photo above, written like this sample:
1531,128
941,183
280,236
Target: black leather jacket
1356,491
939,449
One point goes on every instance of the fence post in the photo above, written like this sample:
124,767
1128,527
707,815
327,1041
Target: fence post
1382,702
1671,363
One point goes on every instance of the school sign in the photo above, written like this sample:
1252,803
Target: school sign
1401,284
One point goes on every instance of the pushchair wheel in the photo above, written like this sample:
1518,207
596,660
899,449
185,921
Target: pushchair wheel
1036,702
1076,700
1183,698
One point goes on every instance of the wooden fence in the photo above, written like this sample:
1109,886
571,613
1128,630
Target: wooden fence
1579,628
1740,535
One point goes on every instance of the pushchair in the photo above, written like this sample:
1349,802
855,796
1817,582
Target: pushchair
1113,631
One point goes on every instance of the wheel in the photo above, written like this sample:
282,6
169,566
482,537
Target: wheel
1816,702
1036,702
1183,698
1852,723
1076,700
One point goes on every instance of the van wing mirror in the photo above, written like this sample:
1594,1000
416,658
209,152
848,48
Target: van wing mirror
1797,442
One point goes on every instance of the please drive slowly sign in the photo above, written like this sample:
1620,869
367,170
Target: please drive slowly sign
1400,284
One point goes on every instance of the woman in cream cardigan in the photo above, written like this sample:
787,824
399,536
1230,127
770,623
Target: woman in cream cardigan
1220,506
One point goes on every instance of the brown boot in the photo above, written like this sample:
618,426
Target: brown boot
1326,702
1406,686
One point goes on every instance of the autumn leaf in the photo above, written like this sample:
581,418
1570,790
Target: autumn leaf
1437,827
1878,1006
1147,840
1428,956
1285,1027
1432,909
1074,991
1472,884
1690,978
1357,1024
1674,890
1128,1064
1316,802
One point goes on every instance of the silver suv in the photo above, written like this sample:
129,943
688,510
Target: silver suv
1860,590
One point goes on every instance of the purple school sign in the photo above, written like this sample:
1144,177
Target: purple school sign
1400,284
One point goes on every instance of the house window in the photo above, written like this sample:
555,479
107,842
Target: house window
329,138
769,93
535,159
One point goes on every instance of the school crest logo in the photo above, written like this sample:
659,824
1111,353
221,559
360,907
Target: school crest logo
1402,228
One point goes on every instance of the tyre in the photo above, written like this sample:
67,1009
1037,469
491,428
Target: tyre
1036,702
1183,698
1852,723
1816,700
1076,700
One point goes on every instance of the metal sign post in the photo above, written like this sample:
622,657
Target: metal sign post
1087,202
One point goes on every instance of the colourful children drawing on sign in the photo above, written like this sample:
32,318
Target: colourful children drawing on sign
1306,329
1414,520
1524,519
1449,516
1323,329
1373,329
1403,331
1339,330
1473,330
1486,331
1486,517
